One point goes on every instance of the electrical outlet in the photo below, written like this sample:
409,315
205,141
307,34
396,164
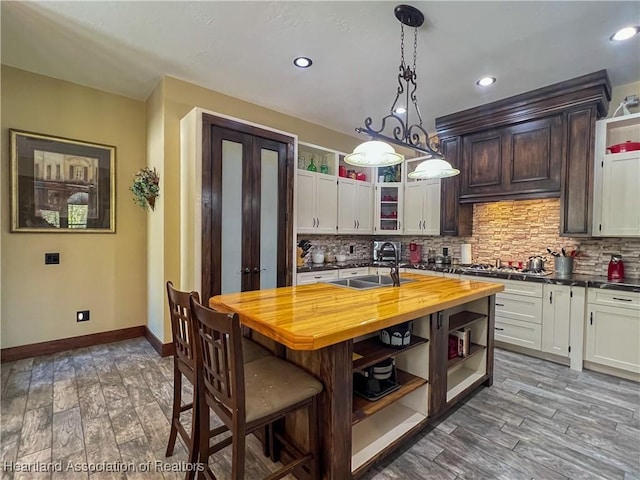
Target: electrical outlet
82,316
351,248
51,258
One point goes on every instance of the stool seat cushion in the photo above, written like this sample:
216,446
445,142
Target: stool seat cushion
273,384
252,351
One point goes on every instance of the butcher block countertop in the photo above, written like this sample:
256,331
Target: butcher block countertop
310,317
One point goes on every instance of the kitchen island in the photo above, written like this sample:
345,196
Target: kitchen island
331,331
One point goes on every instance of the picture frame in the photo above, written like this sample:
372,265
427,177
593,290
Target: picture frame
61,185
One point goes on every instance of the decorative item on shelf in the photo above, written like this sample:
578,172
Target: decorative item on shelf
312,165
145,188
302,164
324,168
342,171
404,134
397,335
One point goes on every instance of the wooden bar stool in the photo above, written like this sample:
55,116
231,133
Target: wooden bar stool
184,364
248,397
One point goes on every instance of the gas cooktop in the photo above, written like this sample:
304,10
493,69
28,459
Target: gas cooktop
485,267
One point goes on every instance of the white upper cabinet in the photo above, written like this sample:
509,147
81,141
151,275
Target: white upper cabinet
422,207
316,191
316,203
355,206
616,179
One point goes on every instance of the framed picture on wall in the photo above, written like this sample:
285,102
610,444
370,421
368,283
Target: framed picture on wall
61,185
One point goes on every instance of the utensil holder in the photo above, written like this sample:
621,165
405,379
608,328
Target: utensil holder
563,265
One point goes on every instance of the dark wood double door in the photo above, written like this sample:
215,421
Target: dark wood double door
247,204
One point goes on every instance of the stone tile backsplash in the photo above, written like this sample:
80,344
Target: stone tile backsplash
508,230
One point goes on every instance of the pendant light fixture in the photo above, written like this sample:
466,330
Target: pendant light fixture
404,134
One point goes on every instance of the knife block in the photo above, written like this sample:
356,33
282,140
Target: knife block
300,261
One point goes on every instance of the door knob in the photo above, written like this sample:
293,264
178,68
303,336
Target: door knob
246,270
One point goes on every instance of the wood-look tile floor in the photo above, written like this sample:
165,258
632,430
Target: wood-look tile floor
111,405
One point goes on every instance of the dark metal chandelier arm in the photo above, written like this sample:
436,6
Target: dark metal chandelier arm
413,141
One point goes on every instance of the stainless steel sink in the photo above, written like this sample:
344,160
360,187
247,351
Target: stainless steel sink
382,279
367,282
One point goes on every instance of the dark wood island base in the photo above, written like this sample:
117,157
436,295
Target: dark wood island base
355,433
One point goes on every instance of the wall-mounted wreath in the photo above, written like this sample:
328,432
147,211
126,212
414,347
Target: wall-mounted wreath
145,188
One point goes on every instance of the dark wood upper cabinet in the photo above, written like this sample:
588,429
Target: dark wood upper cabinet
534,145
518,161
455,219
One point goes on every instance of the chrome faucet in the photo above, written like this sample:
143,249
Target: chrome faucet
395,272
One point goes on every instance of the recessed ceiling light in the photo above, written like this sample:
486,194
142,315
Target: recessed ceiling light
486,81
302,62
400,110
624,34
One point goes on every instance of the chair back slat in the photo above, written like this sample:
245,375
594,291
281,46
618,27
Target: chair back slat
182,326
219,359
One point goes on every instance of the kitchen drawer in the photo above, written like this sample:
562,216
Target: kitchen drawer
614,298
516,332
519,307
315,277
353,272
518,287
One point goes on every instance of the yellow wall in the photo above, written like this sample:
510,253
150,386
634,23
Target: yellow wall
179,98
103,273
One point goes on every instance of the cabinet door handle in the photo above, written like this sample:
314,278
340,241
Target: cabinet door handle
318,277
498,328
354,224
499,304
623,299
358,223
550,297
591,318
318,222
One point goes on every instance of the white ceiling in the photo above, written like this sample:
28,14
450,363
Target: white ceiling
245,49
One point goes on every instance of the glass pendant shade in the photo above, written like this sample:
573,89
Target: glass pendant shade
435,168
374,154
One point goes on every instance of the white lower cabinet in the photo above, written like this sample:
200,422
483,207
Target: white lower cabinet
315,277
556,316
563,322
613,332
517,332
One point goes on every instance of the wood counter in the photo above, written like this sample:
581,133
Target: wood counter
310,317
318,324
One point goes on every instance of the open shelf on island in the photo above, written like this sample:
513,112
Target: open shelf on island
473,350
363,408
372,350
463,318
460,380
377,432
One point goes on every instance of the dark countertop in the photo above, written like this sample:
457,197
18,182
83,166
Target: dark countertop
576,280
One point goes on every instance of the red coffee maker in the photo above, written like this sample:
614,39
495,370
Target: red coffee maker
415,253
616,268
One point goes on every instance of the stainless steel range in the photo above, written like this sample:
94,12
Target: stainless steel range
485,267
